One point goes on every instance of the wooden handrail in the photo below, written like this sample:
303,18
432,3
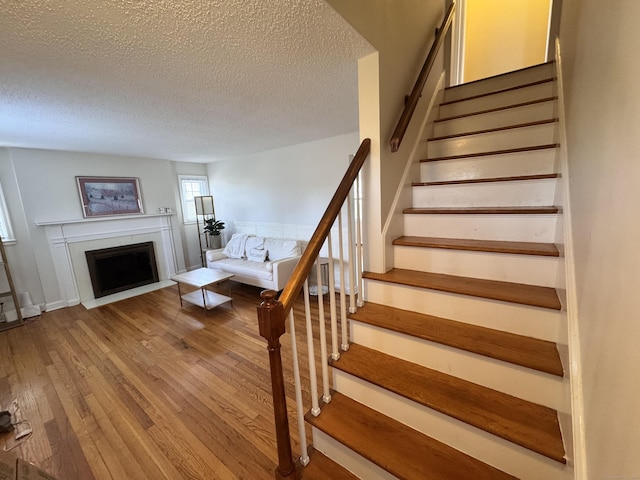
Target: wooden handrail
412,101
272,312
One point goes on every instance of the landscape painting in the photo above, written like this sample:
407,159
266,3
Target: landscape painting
109,196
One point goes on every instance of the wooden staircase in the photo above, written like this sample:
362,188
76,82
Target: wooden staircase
454,370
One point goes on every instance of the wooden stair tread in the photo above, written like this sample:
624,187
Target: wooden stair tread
540,355
493,130
504,74
533,295
502,90
400,450
322,467
496,109
492,152
495,246
487,180
527,424
481,210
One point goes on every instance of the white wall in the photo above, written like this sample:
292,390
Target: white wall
603,120
402,33
40,185
291,185
503,35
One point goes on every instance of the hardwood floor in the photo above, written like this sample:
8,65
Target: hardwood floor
142,389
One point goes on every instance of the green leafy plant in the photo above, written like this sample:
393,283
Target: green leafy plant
213,227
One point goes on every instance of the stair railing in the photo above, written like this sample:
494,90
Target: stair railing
411,102
273,312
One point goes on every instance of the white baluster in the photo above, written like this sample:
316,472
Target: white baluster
352,257
335,353
304,454
343,299
323,336
359,240
315,407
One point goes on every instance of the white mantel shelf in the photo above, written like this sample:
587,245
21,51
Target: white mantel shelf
44,223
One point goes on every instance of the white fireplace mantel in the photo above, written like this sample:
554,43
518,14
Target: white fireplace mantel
62,234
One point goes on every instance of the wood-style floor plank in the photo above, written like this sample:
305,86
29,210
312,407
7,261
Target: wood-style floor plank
145,389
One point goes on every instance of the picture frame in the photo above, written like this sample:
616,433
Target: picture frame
107,196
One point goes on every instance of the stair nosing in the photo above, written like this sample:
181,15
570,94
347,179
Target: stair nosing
494,130
496,109
485,339
542,176
504,90
491,246
493,152
525,210
477,414
545,297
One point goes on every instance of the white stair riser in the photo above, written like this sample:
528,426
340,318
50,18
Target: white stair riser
498,100
507,227
481,87
513,164
532,136
527,269
542,323
521,382
497,119
352,461
520,193
488,448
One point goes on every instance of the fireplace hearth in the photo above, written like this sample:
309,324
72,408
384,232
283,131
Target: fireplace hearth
121,268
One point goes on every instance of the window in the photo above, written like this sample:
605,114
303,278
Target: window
191,186
6,232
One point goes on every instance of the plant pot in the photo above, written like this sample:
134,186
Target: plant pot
215,241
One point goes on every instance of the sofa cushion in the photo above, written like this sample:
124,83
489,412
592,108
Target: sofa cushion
256,255
254,242
280,248
244,267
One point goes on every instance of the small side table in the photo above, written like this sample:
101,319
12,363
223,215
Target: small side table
202,278
324,276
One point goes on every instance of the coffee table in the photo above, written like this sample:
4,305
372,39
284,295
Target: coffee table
202,278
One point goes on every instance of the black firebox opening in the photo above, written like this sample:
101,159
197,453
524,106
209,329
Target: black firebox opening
120,268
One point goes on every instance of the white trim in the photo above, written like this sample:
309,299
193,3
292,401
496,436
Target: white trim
9,238
575,362
394,224
457,44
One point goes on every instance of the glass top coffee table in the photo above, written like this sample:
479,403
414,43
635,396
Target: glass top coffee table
202,278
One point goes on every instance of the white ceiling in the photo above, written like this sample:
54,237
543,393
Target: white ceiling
185,80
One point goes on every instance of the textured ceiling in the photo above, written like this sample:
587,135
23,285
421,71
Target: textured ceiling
186,80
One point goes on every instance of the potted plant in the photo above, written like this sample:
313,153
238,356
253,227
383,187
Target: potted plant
213,228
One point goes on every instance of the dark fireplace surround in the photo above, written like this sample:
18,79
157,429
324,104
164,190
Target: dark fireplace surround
121,268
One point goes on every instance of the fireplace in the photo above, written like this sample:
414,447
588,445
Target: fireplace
121,268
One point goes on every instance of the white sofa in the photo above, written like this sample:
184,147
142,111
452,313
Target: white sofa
260,261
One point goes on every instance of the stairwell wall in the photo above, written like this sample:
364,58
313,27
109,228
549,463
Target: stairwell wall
603,118
402,34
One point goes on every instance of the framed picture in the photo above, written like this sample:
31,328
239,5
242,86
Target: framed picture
102,196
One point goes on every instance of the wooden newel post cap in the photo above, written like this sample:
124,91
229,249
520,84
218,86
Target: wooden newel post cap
270,316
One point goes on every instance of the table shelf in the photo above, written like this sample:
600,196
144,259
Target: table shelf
213,299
